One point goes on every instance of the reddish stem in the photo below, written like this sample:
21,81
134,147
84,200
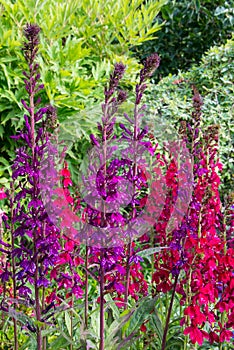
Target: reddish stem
86,289
169,314
13,271
102,320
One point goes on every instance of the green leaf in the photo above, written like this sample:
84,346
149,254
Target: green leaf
94,317
141,314
59,343
111,303
220,10
157,324
116,326
150,251
68,322
197,5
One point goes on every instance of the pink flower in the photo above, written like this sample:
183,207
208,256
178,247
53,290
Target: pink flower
213,337
69,246
67,182
2,193
196,334
194,313
225,335
119,302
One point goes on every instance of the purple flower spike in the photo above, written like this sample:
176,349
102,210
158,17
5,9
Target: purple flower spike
37,238
118,72
115,78
31,31
30,47
122,96
150,65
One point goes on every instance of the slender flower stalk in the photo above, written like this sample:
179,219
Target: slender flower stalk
3,260
169,314
102,301
109,108
31,48
71,317
35,232
150,65
13,264
86,287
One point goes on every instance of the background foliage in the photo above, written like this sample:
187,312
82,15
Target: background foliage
191,28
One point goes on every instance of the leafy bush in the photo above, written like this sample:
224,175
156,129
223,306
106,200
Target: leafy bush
171,98
80,42
191,28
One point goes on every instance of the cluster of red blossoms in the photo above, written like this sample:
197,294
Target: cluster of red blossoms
202,257
209,297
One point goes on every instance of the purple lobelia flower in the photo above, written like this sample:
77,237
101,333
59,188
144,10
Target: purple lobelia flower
115,78
112,184
150,65
115,178
100,192
102,178
36,235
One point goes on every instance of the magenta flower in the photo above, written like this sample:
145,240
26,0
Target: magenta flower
2,193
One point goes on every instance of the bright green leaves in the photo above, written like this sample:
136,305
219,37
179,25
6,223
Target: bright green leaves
79,43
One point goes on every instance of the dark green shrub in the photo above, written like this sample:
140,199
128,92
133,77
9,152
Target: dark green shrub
190,29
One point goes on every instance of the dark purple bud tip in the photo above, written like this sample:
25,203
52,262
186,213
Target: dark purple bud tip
150,65
50,110
119,70
122,96
94,140
152,62
31,31
197,99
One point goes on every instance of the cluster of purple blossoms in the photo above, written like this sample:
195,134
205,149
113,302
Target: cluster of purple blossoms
35,239
37,234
